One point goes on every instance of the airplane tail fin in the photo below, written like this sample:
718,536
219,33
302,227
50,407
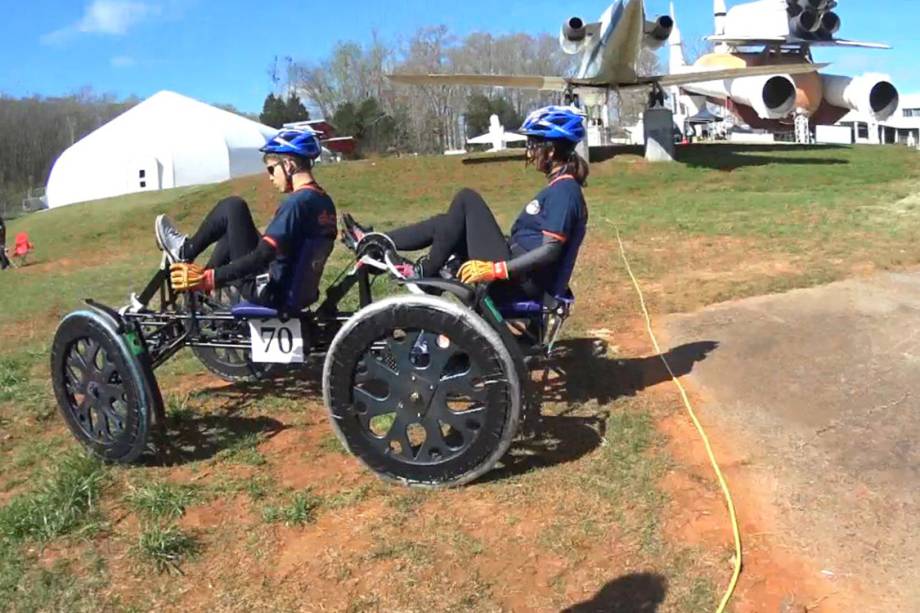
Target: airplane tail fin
676,59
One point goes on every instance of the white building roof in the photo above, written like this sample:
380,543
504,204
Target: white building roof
166,141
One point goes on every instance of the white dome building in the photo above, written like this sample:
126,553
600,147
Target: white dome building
166,141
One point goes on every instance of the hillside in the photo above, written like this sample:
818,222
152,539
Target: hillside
265,509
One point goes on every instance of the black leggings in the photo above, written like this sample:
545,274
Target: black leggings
468,230
230,225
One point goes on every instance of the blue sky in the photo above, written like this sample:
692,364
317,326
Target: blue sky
220,51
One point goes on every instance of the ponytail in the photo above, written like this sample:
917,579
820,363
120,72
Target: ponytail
578,168
564,159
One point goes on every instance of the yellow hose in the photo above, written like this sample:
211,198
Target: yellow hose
696,422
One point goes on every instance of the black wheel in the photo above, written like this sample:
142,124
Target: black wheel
101,387
422,391
229,364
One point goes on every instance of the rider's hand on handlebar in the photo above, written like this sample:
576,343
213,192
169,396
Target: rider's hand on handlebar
191,277
479,271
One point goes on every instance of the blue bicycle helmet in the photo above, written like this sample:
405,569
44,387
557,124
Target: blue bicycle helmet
304,143
555,123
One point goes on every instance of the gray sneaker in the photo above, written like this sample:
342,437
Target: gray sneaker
169,239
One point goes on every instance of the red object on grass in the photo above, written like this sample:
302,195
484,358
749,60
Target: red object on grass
23,246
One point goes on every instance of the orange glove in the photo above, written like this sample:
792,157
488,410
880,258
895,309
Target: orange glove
191,277
478,271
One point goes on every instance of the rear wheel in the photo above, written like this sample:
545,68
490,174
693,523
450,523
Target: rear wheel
101,388
233,365
422,391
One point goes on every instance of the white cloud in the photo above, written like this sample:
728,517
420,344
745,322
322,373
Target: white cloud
112,17
123,61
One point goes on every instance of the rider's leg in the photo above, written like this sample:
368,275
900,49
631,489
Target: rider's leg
468,229
230,225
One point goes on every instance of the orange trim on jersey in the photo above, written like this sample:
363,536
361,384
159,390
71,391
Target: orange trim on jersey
271,241
313,187
559,237
561,178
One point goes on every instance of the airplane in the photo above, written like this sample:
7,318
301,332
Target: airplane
781,32
497,136
610,50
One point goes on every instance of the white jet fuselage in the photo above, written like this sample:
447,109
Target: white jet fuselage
612,56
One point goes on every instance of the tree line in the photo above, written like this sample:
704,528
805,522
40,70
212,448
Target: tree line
348,87
35,130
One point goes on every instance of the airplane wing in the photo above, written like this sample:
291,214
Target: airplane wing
486,139
686,78
515,81
793,40
560,83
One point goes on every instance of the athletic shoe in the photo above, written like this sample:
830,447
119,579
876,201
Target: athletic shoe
169,239
353,232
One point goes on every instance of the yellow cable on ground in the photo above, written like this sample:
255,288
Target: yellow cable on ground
696,422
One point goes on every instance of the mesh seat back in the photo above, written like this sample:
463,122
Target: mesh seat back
308,272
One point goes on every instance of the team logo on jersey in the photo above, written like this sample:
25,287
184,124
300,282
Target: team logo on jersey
533,208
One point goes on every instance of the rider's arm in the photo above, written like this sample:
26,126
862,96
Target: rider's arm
250,265
544,255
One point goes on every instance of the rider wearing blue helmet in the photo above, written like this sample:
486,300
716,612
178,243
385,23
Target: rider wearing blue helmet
241,252
551,224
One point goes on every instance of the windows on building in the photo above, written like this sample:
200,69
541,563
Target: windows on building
912,112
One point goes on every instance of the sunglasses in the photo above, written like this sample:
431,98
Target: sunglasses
271,169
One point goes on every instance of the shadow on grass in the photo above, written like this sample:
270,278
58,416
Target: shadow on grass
581,373
635,593
195,438
728,157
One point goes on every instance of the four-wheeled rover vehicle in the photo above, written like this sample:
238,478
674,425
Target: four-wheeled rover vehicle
427,388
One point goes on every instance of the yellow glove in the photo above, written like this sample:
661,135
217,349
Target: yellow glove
191,277
478,271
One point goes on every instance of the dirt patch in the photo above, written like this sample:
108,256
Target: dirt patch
815,385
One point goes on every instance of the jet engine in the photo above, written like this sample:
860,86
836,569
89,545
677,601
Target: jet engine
771,96
657,32
870,94
573,35
813,19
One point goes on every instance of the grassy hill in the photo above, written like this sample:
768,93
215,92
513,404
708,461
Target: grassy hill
726,222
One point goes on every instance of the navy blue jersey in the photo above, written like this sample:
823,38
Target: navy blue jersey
558,211
305,215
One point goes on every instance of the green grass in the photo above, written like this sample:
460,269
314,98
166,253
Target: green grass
65,501
158,501
166,548
696,233
244,450
298,510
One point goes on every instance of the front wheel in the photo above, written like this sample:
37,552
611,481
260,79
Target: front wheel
102,389
423,391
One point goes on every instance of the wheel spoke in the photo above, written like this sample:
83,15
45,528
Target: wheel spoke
112,417
92,350
375,406
434,439
399,433
377,371
438,357
76,369
81,410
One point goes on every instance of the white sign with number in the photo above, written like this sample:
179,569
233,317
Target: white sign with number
277,342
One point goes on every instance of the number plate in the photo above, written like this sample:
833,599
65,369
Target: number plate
277,342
